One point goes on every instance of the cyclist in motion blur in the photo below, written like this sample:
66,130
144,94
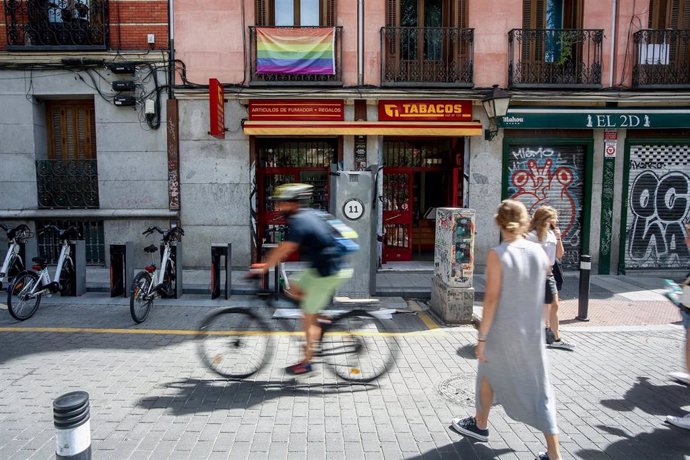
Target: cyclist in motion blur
309,233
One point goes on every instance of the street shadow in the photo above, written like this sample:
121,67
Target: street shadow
196,395
467,351
652,399
667,442
464,449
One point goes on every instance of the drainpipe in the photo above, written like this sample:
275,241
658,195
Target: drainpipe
171,49
360,42
614,22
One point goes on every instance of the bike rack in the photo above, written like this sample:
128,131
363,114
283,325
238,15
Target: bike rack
121,255
219,250
176,256
276,270
79,258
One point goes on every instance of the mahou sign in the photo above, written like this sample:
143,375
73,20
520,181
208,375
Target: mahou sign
425,110
216,95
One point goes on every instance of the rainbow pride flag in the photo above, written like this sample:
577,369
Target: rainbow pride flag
295,50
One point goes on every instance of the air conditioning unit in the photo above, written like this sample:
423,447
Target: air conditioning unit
654,54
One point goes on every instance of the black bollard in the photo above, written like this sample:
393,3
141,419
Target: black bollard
583,297
71,416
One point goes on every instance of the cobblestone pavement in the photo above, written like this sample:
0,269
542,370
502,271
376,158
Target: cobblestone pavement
152,398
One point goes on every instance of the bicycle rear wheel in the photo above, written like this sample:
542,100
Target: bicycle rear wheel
139,303
357,348
235,343
20,303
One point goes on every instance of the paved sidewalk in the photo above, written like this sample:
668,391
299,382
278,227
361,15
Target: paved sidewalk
152,398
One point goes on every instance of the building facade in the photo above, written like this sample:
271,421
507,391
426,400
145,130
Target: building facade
597,125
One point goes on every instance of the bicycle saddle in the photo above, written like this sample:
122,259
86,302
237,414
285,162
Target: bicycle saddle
150,249
40,260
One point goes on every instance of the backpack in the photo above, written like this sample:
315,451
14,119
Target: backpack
344,236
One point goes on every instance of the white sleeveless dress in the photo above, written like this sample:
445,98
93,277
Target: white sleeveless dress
517,364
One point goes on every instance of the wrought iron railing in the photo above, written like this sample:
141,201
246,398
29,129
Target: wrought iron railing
295,79
427,56
67,184
91,231
44,25
662,59
555,58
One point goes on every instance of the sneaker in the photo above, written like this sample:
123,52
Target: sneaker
680,422
550,336
680,377
298,369
468,427
562,345
542,456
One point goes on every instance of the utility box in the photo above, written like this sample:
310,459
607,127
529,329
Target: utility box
452,290
352,201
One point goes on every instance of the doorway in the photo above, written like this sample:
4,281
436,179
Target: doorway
419,176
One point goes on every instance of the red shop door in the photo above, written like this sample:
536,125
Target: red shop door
397,215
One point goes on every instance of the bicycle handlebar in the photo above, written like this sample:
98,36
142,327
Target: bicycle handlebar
4,227
66,234
167,235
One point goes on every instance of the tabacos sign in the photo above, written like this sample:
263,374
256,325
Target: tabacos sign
425,110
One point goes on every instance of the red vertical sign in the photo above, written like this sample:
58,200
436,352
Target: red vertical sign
216,96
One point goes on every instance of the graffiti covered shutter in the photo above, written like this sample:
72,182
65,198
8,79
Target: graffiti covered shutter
658,207
551,175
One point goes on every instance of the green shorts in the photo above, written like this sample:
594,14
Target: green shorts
318,289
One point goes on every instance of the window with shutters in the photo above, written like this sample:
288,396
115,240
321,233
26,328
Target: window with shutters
68,178
296,13
427,41
552,48
662,52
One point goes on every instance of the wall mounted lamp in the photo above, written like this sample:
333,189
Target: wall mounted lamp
495,104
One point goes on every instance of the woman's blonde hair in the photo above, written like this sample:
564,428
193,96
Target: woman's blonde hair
512,217
541,221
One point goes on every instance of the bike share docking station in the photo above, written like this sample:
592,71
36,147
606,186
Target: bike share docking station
219,250
353,201
176,257
121,274
78,249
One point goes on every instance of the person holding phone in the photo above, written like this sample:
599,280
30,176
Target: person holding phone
544,230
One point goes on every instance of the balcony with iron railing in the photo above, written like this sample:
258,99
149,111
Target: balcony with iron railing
67,184
295,66
427,56
57,25
662,59
555,58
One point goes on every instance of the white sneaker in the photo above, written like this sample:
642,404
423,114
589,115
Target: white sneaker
680,422
680,377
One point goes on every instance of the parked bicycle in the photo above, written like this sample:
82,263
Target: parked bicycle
13,263
236,342
152,282
25,293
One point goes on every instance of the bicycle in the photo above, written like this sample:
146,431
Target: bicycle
13,263
25,293
236,342
151,282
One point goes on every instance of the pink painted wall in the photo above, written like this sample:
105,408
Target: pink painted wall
597,15
491,21
374,19
629,22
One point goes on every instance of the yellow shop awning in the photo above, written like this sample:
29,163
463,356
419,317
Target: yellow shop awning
375,128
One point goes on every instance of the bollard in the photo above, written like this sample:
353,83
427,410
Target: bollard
583,297
71,417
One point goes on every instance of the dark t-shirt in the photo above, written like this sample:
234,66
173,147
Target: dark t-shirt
315,239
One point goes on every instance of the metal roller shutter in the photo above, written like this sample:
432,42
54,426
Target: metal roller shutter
658,207
551,175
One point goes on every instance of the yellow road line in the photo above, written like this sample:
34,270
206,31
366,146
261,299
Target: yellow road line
428,320
89,330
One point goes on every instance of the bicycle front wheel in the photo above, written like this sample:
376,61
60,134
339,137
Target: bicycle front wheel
67,279
21,303
235,343
139,300
357,348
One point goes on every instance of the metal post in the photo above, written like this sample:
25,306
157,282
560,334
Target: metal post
80,267
72,420
583,298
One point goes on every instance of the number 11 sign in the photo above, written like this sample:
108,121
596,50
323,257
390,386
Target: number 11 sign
353,209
